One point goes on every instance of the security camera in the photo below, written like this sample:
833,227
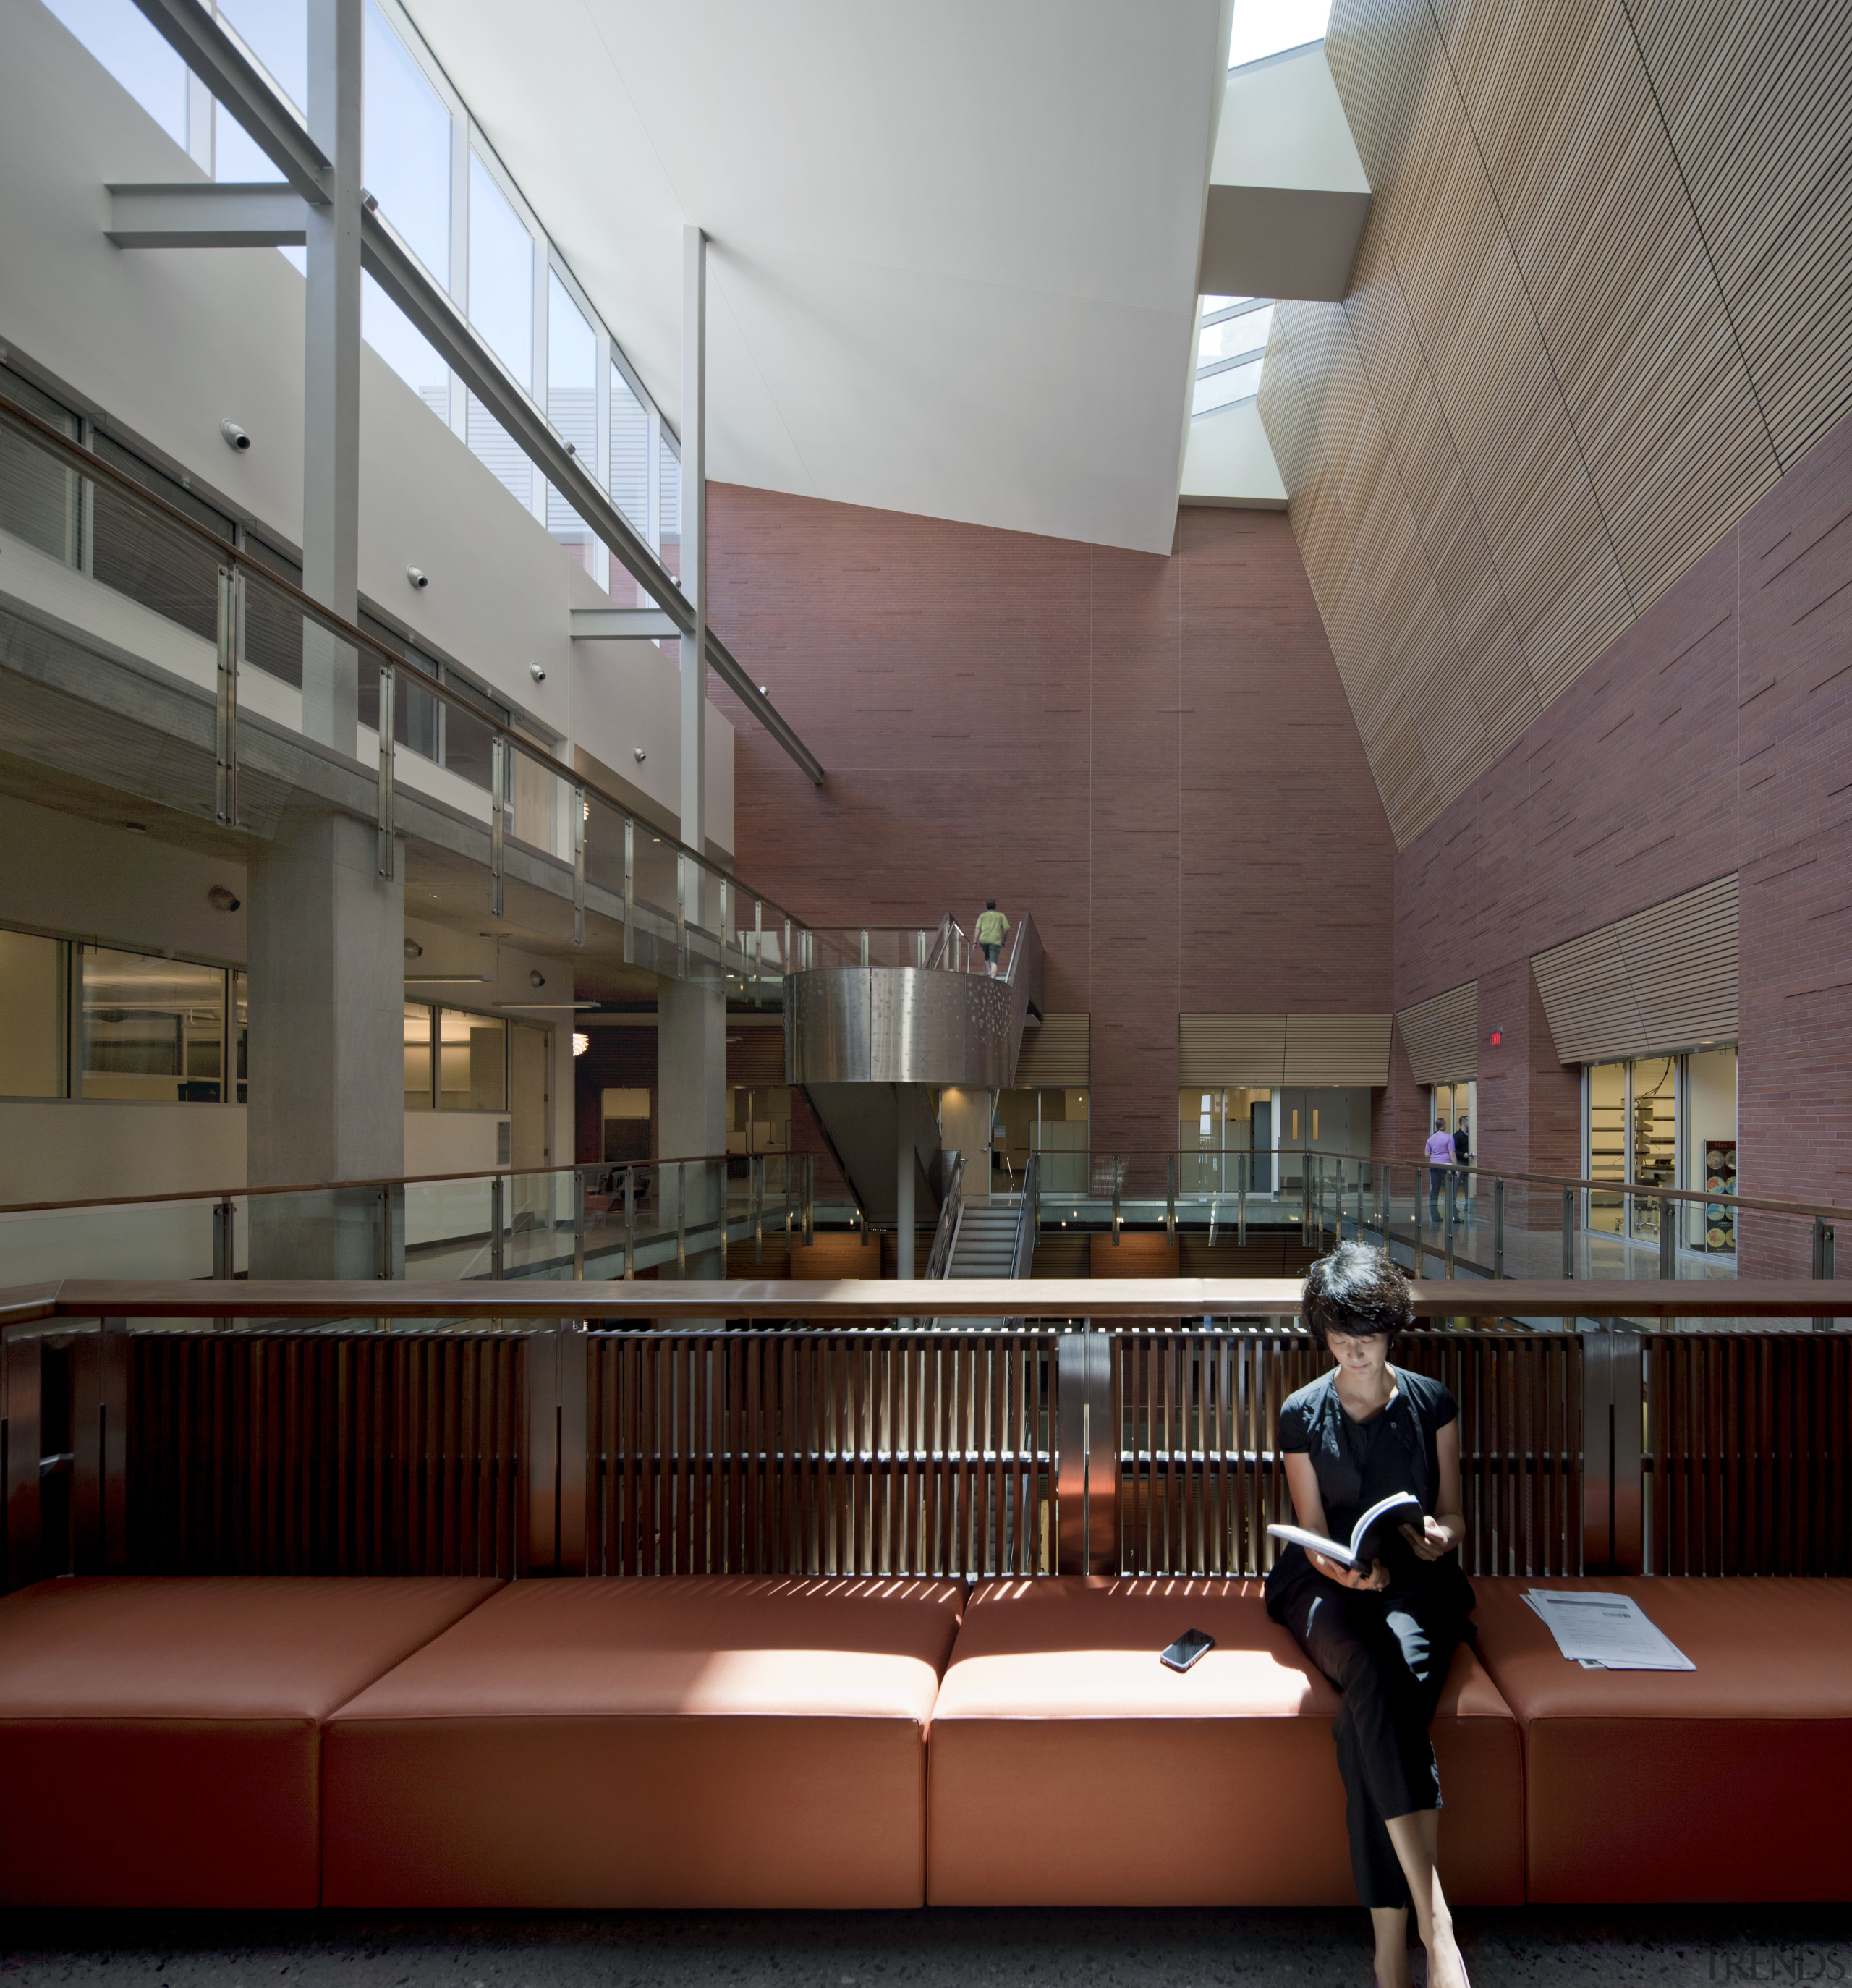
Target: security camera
536,672
641,755
221,899
536,978
414,950
418,577
235,437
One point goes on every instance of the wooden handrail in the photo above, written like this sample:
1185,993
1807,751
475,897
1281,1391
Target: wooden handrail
851,1305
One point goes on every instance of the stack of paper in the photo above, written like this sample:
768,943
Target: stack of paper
1606,1632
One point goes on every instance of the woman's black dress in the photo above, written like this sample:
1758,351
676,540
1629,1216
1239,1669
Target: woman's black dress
1387,1653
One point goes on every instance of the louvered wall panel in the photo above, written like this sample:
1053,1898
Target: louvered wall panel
1223,1050
1661,980
1602,299
1059,1054
1442,1035
1337,1049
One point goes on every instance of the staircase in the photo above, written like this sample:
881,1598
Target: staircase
986,1244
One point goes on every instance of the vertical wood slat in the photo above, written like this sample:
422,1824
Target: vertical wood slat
792,1453
301,1453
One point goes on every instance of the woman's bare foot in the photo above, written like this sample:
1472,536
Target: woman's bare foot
1445,1967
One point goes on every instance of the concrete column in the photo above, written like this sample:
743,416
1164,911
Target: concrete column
331,382
326,938
907,1167
691,1102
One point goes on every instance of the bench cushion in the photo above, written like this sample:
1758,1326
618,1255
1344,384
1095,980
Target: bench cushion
160,1738
1715,1783
672,1741
1068,1767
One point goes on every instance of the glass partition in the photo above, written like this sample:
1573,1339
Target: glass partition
152,1028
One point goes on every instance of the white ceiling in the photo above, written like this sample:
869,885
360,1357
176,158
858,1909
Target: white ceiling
953,268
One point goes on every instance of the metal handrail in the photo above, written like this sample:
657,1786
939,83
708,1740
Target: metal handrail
951,1209
386,1180
1028,1220
86,463
1648,1190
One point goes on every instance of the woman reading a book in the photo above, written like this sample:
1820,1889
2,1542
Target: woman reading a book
1384,1629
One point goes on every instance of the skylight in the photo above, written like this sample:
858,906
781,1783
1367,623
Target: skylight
1265,27
1231,341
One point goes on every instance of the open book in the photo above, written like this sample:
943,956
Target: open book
1366,1537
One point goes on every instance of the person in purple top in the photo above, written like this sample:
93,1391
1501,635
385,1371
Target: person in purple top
1440,1157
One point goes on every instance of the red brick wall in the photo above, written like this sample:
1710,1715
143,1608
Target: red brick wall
1715,735
1152,755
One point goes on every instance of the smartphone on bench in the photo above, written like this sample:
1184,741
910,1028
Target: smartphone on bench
1187,1649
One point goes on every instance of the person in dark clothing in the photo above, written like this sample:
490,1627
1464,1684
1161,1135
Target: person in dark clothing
1462,1154
1384,1635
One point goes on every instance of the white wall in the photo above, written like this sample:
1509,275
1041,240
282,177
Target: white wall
1228,462
168,343
81,1149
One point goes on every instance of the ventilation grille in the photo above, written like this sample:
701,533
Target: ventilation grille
1261,1052
1057,1056
1442,1035
1663,980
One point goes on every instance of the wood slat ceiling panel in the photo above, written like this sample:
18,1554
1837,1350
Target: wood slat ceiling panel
1224,1050
1442,1035
1337,1049
1058,1053
1604,295
1758,97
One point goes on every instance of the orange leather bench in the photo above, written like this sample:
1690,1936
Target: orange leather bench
161,1740
1719,1784
670,1741
1068,1767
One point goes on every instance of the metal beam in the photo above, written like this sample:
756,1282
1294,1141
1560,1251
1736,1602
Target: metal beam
622,624
223,67
398,272
201,215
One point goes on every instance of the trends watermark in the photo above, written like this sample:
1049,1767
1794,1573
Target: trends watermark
1790,1965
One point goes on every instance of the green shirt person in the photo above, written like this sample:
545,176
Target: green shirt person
991,926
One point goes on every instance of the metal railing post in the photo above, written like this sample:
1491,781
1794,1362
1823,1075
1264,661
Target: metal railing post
1115,1201
1452,1182
1823,1262
1668,1238
578,866
497,781
225,1237
629,891
1498,1229
389,715
681,1216
497,1261
383,1252
1170,1196
1568,1232
809,1198
579,1224
1305,1201
1244,1167
681,915
231,643
864,945
630,1223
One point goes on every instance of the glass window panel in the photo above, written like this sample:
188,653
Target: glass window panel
472,1062
1655,1136
121,38
154,1028
572,405
629,485
406,146
1222,390
501,274
671,509
39,501
235,156
1710,1132
1246,333
240,1033
32,1007
1265,27
404,348
1607,1144
416,719
276,31
417,1056
499,453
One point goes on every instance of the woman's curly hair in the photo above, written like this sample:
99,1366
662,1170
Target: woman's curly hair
1355,1290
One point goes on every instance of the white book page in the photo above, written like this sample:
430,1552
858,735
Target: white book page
1611,1631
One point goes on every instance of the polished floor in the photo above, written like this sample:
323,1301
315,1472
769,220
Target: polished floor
929,1949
